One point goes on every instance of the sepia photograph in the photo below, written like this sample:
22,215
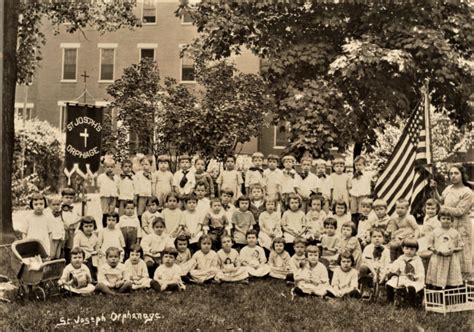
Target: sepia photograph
236,165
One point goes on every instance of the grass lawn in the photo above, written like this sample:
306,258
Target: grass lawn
264,305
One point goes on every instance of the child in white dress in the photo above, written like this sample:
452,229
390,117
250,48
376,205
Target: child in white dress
340,213
229,262
270,225
173,216
76,276
242,221
312,278
407,274
207,261
87,240
162,180
349,243
298,259
340,182
345,280
192,222
110,237
253,256
137,268
430,223
58,233
444,269
279,260
293,221
167,276
153,244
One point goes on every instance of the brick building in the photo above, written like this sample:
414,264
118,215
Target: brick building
66,57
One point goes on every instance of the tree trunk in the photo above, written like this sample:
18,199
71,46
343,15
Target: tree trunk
8,72
357,149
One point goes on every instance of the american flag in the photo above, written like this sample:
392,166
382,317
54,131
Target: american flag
405,174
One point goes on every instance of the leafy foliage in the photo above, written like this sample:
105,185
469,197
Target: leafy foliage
105,16
346,69
39,149
136,96
229,108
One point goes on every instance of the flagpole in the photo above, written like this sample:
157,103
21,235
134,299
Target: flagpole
429,146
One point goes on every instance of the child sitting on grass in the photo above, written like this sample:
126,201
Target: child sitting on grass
298,259
113,277
407,274
312,278
401,226
375,262
207,261
167,276
253,256
229,263
345,281
279,260
184,258
76,276
137,269
153,244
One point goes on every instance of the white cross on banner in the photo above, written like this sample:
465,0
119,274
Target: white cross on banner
85,135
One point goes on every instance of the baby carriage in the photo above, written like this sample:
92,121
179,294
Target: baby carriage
37,276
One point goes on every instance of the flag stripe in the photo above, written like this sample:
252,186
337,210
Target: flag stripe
402,177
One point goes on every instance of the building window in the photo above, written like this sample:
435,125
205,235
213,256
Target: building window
281,136
69,64
187,69
147,53
107,59
23,114
149,12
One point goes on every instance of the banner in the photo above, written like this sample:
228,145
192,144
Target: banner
83,139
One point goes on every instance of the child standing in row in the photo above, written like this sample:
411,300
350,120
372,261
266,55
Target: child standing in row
215,223
323,185
108,189
130,227
191,221
86,239
272,177
315,217
340,182
143,185
162,180
290,181
153,244
183,180
401,226
254,174
110,236
230,179
70,218
360,187
58,232
173,216
126,185
444,269
202,176
309,182
257,204
293,220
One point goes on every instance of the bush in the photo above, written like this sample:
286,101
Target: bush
39,150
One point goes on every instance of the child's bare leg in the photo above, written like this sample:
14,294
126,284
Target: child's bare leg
126,287
104,289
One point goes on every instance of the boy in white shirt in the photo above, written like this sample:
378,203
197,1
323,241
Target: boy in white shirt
126,185
108,189
184,180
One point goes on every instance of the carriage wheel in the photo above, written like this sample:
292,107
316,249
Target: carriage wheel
51,288
39,294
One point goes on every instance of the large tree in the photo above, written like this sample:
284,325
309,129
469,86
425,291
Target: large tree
339,71
22,41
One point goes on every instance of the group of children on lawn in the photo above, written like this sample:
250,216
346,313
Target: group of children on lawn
172,229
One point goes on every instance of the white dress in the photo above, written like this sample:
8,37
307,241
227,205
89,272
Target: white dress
207,266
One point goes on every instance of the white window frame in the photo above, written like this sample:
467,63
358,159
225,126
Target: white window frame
106,46
182,17
64,46
148,46
156,12
20,106
275,146
61,104
181,67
